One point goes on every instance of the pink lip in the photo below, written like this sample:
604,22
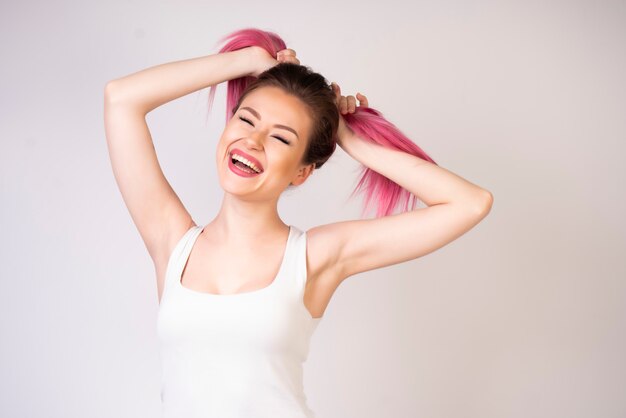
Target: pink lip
248,157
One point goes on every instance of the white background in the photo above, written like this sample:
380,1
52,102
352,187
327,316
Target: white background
523,316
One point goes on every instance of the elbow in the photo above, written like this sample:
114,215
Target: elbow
477,204
108,91
484,203
111,92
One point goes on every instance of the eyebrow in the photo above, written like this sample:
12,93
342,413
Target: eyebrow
256,114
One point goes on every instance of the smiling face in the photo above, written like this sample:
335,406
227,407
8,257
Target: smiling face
272,128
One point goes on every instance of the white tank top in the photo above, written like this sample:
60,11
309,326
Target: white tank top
235,355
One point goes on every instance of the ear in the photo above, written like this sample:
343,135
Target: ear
303,173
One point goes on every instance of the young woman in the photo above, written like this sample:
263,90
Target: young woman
241,295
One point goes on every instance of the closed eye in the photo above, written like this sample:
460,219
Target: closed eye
277,137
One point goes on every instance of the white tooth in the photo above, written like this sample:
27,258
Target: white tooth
246,162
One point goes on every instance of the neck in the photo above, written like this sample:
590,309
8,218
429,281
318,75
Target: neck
243,221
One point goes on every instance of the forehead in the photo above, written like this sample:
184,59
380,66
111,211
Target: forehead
276,106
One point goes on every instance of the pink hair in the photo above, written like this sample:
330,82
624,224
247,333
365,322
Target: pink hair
366,122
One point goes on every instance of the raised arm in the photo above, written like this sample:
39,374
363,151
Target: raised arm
455,205
154,207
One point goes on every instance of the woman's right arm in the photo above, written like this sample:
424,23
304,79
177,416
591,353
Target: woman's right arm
154,207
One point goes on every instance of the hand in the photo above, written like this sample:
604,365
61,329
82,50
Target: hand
262,60
346,105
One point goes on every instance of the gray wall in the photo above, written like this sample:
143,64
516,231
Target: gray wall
523,316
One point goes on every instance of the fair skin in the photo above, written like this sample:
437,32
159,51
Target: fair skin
222,261
249,208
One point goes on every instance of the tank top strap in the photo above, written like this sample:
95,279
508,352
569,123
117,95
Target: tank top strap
296,263
180,253
296,277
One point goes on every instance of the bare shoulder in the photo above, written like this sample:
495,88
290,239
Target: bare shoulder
324,272
323,255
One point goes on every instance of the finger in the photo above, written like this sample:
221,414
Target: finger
362,99
287,52
336,91
286,58
341,103
351,103
343,107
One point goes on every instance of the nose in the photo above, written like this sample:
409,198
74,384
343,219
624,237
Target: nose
254,140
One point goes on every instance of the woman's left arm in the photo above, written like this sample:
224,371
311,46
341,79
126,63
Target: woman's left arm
432,184
454,206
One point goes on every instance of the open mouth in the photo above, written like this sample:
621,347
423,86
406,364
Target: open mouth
241,166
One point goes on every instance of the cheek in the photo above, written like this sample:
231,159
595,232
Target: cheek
221,153
287,166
